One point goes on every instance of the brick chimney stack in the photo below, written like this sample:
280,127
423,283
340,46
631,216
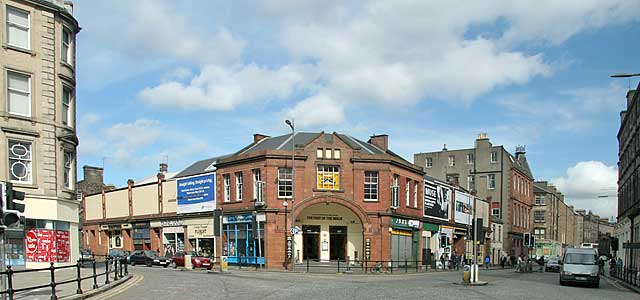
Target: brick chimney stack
258,137
380,140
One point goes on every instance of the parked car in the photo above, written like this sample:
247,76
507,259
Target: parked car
117,253
197,260
553,265
580,265
148,258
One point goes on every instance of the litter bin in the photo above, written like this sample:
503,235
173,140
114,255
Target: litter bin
466,273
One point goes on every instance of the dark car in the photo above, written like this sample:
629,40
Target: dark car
197,260
148,258
553,265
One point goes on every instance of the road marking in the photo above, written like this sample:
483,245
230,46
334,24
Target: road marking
122,288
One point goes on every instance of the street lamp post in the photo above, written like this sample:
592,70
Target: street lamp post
293,186
285,204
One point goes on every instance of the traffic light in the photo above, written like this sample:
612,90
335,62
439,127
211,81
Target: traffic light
443,241
532,241
526,239
12,205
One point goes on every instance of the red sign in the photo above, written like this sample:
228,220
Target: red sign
44,245
495,204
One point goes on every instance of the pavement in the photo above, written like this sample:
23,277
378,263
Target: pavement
30,279
161,283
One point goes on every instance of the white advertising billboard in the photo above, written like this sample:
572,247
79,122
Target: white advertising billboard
463,208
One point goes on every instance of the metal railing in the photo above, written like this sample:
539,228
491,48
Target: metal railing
371,267
119,270
628,275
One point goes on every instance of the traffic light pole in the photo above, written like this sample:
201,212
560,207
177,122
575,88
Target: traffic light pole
3,264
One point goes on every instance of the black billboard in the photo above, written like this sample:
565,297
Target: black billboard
437,200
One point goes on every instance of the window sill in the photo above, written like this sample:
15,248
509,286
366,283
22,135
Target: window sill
67,65
328,191
371,201
20,117
19,49
24,185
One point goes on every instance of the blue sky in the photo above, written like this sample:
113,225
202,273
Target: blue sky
161,80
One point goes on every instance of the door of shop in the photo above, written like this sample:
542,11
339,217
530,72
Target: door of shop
311,241
337,242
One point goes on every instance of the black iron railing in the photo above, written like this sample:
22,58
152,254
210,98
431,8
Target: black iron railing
113,266
628,275
373,266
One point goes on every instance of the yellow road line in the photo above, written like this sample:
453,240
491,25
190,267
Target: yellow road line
120,289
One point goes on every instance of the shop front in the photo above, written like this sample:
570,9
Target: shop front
14,245
201,236
141,236
404,241
430,242
239,244
46,241
329,232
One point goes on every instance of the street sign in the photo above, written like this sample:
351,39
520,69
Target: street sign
294,231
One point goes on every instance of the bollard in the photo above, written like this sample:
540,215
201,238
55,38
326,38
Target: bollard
10,282
53,282
338,265
307,265
106,271
406,266
78,279
391,265
365,265
416,266
95,278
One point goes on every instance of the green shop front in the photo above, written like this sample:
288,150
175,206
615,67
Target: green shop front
404,241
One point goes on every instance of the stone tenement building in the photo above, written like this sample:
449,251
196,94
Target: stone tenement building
628,228
503,179
38,127
554,222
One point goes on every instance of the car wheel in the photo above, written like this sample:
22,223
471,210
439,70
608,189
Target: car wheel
209,268
596,285
173,265
166,265
193,267
133,263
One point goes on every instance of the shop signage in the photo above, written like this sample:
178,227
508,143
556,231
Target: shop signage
237,218
437,200
200,231
171,223
401,232
367,248
196,194
464,206
177,229
44,245
400,222
324,217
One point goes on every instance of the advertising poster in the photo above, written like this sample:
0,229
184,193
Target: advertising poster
45,245
463,208
196,194
437,201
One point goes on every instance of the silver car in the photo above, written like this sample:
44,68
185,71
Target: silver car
580,265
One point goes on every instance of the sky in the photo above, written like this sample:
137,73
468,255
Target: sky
174,81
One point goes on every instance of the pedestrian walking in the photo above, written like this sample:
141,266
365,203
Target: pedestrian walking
442,260
454,260
487,260
503,260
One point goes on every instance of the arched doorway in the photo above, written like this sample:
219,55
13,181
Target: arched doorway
330,231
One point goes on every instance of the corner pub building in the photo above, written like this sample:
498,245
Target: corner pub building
350,196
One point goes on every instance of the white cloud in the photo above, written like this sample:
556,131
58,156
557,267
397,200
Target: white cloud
219,88
316,112
585,182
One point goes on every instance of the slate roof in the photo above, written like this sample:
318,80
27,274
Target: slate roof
283,142
200,166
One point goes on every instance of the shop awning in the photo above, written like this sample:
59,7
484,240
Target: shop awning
430,227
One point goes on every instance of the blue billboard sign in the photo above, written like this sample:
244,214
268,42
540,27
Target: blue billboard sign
196,194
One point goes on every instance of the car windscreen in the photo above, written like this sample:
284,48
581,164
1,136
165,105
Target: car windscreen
150,253
580,259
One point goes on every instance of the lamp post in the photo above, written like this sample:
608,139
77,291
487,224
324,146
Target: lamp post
293,217
285,204
625,75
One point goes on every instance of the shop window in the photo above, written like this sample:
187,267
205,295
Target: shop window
49,238
328,177
240,246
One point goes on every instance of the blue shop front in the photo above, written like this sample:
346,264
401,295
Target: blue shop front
239,244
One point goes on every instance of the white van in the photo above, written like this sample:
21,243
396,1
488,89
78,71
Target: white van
580,265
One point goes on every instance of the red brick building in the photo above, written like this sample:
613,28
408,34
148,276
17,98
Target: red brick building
353,199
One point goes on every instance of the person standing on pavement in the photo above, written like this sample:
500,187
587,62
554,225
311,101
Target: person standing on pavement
487,260
442,260
503,260
454,260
